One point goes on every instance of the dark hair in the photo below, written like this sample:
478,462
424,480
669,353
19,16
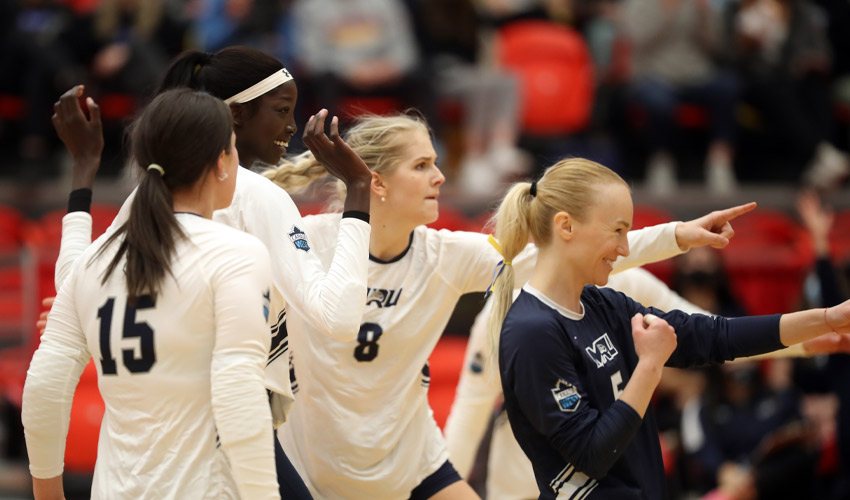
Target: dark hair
184,132
223,74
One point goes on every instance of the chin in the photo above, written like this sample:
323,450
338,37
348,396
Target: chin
430,218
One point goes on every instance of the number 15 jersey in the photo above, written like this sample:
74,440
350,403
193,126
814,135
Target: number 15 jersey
181,374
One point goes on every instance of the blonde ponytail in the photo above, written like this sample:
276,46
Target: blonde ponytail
512,230
298,173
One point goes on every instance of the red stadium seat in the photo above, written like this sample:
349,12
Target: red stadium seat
44,236
840,237
84,429
452,219
767,261
11,229
445,365
556,75
352,107
42,239
12,260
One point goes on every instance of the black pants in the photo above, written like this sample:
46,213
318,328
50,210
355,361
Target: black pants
291,485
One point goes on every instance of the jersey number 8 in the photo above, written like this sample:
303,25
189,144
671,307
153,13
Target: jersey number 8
367,342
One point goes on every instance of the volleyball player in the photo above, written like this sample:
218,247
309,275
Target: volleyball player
479,392
176,319
578,363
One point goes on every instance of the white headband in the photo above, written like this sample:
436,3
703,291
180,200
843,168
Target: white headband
275,80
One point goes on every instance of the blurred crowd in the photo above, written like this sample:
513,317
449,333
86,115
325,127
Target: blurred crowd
714,91
750,430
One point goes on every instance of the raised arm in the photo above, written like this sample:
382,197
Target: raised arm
83,136
663,241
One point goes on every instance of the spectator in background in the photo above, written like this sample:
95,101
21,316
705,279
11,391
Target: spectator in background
35,63
363,48
674,45
130,44
261,24
745,436
125,46
830,374
699,278
783,52
488,96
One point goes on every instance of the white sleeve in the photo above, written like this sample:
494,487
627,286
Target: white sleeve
76,237
647,245
650,244
49,389
477,392
239,401
642,286
333,301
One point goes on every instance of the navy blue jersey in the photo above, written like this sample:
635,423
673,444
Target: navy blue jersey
562,374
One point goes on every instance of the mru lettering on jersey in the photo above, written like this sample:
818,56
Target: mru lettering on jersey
382,297
602,351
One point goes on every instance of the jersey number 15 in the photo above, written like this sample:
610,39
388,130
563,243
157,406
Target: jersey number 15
131,329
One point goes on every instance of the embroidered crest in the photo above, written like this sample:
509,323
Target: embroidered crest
566,395
299,239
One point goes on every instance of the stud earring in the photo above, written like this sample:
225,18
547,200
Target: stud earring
224,176
383,199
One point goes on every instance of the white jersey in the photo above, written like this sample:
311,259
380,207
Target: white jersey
362,428
181,375
479,391
329,295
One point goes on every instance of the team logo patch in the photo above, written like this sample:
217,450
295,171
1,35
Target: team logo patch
566,395
602,351
299,239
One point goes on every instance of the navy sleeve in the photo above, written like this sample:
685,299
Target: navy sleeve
554,399
706,339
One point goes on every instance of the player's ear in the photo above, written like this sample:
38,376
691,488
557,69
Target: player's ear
563,226
238,112
378,186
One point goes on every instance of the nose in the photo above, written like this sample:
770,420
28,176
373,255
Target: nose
623,247
439,178
291,128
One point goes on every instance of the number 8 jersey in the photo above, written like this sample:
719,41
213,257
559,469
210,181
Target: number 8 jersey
361,427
